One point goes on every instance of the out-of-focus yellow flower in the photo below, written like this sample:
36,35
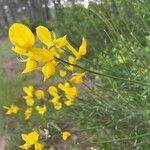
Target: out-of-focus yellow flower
58,105
121,59
92,148
55,100
71,60
30,140
28,90
52,90
13,109
29,100
69,102
66,135
39,94
70,92
82,49
62,73
41,109
38,146
28,113
64,86
78,78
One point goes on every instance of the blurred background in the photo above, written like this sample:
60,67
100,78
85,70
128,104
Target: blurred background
113,109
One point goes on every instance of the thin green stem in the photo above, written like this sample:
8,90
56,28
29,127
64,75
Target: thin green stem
104,75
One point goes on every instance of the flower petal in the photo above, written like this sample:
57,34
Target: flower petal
44,35
21,36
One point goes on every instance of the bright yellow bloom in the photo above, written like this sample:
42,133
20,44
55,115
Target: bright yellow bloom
21,36
38,146
121,59
29,100
41,109
13,109
71,60
82,49
39,94
52,90
30,65
62,73
66,135
57,105
70,92
78,78
69,102
30,140
45,37
28,113
55,100
49,69
64,86
28,90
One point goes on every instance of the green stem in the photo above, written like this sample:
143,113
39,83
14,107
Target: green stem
125,139
104,75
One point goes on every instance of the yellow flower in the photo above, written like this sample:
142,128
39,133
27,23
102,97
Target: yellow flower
39,94
21,36
52,90
57,105
64,86
28,113
78,78
38,146
82,49
13,109
92,148
69,102
41,110
49,69
28,90
66,135
30,140
45,37
29,100
121,59
55,100
71,60
62,73
30,65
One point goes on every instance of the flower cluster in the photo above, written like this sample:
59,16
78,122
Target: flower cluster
47,58
55,55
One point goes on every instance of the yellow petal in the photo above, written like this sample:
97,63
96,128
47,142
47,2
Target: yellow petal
66,135
21,36
39,94
48,70
38,146
44,35
62,73
83,49
24,136
52,90
41,55
41,109
30,65
60,42
57,105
